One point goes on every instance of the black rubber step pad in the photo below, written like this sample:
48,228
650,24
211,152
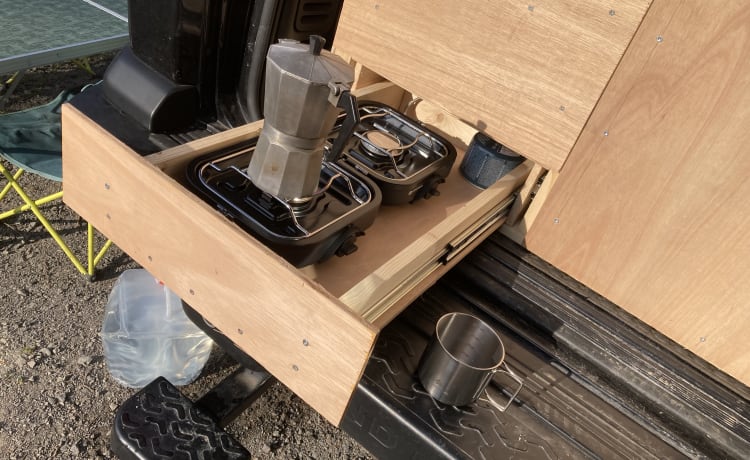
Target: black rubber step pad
159,422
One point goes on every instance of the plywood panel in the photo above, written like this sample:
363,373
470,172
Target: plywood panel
271,311
442,226
654,215
526,73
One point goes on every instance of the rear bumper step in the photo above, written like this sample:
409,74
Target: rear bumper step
159,422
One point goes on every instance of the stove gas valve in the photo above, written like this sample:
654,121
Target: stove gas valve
348,240
429,188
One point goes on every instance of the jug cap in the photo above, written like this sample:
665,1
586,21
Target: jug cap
310,62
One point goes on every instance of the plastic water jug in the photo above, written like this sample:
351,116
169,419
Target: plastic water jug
146,334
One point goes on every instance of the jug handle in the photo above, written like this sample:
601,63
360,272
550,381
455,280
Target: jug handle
518,380
348,102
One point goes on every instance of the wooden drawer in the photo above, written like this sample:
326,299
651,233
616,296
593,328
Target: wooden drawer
312,328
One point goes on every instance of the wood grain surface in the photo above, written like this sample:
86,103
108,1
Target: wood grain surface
526,73
357,278
654,215
419,238
305,337
174,161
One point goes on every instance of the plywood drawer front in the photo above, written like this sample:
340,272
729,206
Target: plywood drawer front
526,73
292,326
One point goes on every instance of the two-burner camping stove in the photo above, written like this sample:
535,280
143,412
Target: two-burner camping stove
389,159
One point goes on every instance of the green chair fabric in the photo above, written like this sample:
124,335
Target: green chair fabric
32,139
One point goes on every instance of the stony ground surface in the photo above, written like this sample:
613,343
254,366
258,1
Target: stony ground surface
56,396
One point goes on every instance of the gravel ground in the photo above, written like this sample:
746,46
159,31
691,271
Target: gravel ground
56,396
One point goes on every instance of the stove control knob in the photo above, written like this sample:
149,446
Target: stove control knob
429,188
346,248
348,245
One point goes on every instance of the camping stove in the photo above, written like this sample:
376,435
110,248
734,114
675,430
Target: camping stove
388,155
406,160
303,231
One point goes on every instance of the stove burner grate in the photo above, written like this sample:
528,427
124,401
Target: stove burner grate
404,158
305,230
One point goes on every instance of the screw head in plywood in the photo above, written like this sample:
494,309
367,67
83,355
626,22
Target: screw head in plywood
659,39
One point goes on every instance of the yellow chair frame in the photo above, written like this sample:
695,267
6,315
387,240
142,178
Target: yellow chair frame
33,206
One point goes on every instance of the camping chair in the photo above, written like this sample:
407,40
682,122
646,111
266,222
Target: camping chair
30,140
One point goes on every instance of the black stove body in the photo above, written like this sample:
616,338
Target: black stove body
406,160
303,232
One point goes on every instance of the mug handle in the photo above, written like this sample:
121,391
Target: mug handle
519,381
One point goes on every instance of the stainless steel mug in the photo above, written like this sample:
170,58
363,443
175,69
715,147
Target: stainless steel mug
461,359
